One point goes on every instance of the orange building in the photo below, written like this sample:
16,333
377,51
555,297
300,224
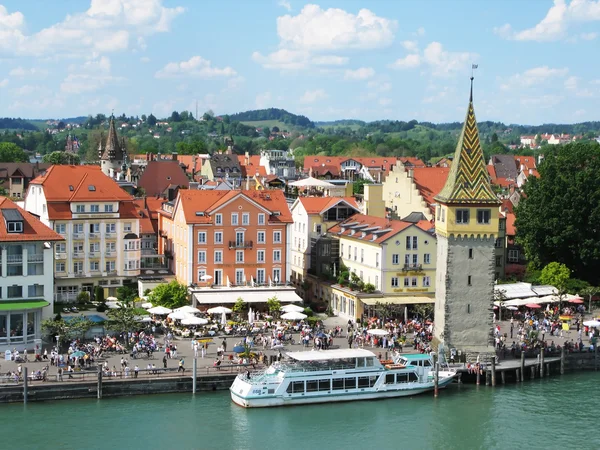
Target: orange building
227,239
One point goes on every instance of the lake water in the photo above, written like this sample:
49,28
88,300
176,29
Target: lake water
554,413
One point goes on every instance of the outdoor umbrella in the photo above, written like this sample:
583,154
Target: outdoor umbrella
111,299
146,305
292,308
219,310
250,316
178,315
113,305
311,182
205,277
293,315
592,323
239,349
512,308
193,320
144,319
159,310
78,354
187,309
223,318
532,305
377,332
576,300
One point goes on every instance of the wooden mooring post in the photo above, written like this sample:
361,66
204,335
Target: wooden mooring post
503,376
533,371
542,362
436,379
194,375
494,370
25,386
99,389
522,366
596,355
547,369
478,382
562,360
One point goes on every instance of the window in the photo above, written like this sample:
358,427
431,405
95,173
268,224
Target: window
108,208
318,228
60,228
94,266
406,281
60,247
94,228
349,252
78,266
498,243
426,281
79,208
502,224
218,256
234,218
94,247
94,208
260,237
239,238
362,255
426,258
239,256
202,257
413,281
484,216
218,237
513,256
276,255
470,253
110,266
498,261
111,247
260,276
395,282
277,237
355,252
14,227
218,219
415,259
260,256
202,237
469,280
261,219
239,276
127,227
59,267
395,259
376,259
201,275
462,216
14,291
78,228
111,228
77,247
245,218
277,276
35,290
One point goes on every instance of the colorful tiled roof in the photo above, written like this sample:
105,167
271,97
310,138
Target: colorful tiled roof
33,228
468,178
374,229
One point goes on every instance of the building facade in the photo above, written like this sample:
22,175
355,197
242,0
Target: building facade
279,162
99,223
466,225
26,276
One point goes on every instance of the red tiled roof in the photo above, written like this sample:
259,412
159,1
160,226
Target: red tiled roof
373,225
33,228
507,205
316,205
510,224
79,183
158,175
430,181
527,161
252,167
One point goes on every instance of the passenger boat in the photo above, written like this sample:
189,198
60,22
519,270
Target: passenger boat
336,376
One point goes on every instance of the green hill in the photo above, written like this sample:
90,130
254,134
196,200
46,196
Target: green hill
272,114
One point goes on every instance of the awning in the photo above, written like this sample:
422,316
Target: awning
21,305
397,300
218,296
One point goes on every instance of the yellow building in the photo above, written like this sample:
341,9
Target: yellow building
394,260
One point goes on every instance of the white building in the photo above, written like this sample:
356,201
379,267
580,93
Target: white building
27,276
99,223
278,162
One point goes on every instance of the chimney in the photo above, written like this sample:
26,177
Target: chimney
248,183
373,200
522,167
410,173
530,171
174,156
246,158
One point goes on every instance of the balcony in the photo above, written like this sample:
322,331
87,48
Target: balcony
78,235
14,259
240,244
94,254
110,253
78,255
110,235
111,273
94,235
417,267
60,256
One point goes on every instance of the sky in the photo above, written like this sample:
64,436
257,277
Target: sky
379,59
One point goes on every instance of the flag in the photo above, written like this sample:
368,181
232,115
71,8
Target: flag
474,66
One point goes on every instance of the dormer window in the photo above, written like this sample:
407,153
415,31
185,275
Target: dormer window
13,220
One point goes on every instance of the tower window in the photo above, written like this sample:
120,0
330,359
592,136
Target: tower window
469,280
484,216
469,308
470,254
462,216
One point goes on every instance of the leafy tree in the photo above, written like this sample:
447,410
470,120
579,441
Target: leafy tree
61,158
590,291
172,295
557,275
10,152
266,132
78,326
175,117
151,120
359,186
557,220
274,305
123,320
240,307
126,294
53,328
99,294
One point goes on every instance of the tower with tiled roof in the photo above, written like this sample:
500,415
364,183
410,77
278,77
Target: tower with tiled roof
466,224
111,152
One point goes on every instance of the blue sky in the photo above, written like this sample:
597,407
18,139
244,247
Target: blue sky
538,59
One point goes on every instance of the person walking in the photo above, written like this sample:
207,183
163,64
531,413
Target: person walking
165,362
60,374
136,370
224,344
181,368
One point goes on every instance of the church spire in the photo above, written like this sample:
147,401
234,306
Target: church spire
468,180
112,151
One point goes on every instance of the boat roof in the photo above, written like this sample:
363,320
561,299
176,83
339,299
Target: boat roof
323,355
416,356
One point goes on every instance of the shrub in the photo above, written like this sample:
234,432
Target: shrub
309,312
369,288
99,294
101,307
83,297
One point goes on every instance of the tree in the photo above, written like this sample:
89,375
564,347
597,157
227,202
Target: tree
359,186
240,307
591,291
54,328
557,275
78,326
123,320
61,158
266,132
557,218
151,120
274,305
126,294
99,294
10,152
172,295
500,297
175,117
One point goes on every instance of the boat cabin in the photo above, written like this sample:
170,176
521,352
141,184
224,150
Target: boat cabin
416,360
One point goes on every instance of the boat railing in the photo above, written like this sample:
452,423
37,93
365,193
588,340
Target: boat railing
291,367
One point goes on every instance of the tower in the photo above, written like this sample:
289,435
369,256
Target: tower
466,224
112,153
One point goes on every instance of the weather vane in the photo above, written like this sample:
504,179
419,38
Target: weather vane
473,67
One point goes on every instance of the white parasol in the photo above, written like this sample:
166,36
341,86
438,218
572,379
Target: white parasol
112,299
378,332
293,315
146,305
592,323
160,310
219,310
113,305
193,320
205,277
178,315
311,182
292,308
250,316
187,309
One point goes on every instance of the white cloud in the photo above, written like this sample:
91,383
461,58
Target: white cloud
542,101
310,37
408,62
571,82
438,96
263,100
285,4
235,82
90,76
385,101
559,18
197,67
21,72
420,31
27,89
145,59
106,26
410,46
4,83
380,86
533,77
588,36
313,96
362,73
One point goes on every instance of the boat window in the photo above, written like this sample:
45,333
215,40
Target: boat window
312,386
401,377
404,361
426,363
360,362
363,382
350,383
370,362
338,383
372,381
390,378
412,376
324,385
296,387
